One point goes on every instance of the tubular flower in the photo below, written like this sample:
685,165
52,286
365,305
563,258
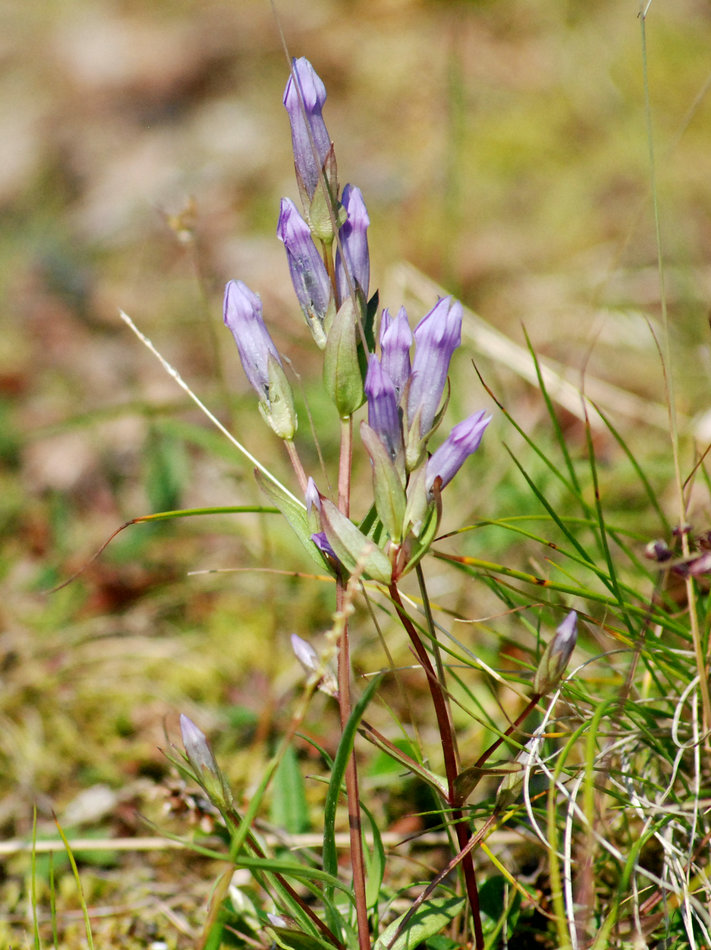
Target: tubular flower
308,272
260,359
383,415
196,747
437,336
352,258
395,343
304,97
243,317
462,441
557,655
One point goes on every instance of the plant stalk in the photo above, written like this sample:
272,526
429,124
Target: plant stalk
446,732
344,705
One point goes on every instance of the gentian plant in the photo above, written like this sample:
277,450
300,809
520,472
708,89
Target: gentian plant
389,383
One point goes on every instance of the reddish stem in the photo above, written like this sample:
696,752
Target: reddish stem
446,732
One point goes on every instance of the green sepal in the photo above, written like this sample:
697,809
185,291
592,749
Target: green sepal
390,499
278,409
353,549
324,210
342,374
369,315
422,518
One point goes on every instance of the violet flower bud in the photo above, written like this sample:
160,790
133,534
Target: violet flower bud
307,269
352,258
313,665
313,504
437,336
395,343
203,762
556,655
260,359
304,97
197,749
462,441
322,543
383,415
243,317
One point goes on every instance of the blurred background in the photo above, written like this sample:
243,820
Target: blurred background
503,152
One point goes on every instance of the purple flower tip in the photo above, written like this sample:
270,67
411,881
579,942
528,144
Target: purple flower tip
565,638
308,272
464,439
304,97
383,415
395,343
352,258
437,336
243,317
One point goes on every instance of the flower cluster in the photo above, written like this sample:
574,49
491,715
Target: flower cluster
326,245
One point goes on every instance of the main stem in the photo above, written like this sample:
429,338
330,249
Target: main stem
344,704
446,732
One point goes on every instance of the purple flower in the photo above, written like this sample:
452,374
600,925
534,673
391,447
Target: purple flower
313,664
395,343
564,641
304,97
437,336
464,439
323,544
312,498
556,655
197,749
243,316
383,415
352,258
308,272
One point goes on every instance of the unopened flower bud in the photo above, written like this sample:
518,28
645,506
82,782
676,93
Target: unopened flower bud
196,747
304,97
352,257
308,272
309,659
313,505
556,655
383,415
203,762
462,441
260,358
437,336
395,343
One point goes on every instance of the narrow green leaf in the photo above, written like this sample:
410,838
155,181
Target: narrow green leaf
289,809
433,916
345,748
374,862
290,939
